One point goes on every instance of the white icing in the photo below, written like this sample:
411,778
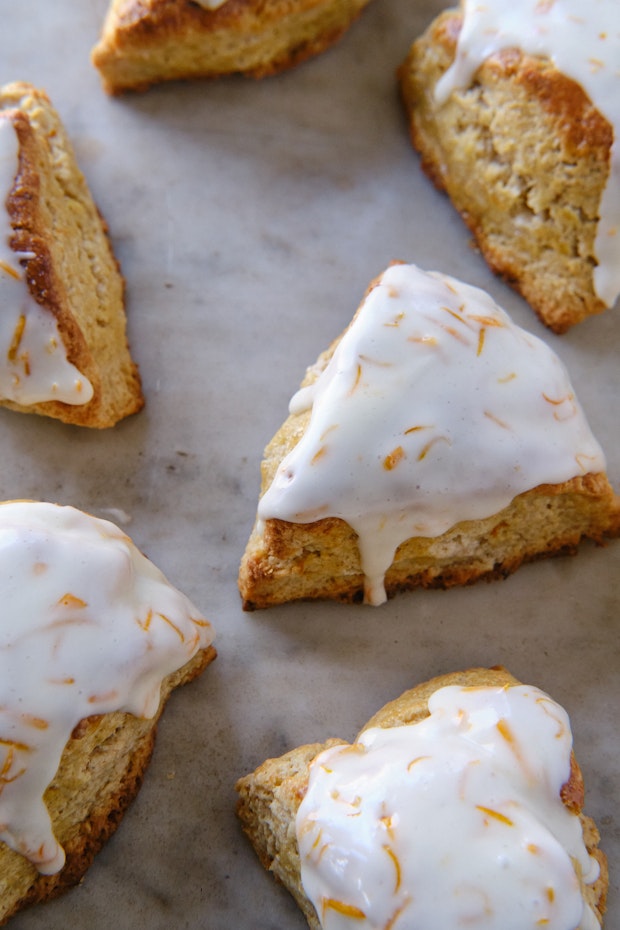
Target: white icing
210,4
434,408
583,42
88,626
34,361
456,821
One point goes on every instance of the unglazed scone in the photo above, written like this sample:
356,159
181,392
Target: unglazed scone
433,444
63,350
515,109
93,639
147,41
459,804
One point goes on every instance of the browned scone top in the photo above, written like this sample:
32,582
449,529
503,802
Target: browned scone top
147,41
270,796
100,773
524,156
71,270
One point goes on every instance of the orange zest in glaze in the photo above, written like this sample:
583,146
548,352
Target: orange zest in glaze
547,705
10,271
507,378
70,600
395,861
415,429
147,621
358,378
496,815
394,457
37,722
318,455
375,361
172,626
200,622
14,745
485,320
491,416
348,910
429,445
99,698
457,316
453,332
416,760
556,403
17,338
506,732
481,336
395,916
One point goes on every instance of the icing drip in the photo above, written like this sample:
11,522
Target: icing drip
434,408
88,626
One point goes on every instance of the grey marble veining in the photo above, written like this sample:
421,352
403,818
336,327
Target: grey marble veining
248,218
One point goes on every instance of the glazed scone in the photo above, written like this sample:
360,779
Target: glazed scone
93,639
433,444
460,803
147,41
64,347
515,109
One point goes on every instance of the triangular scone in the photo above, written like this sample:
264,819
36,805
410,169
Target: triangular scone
94,641
63,338
435,443
514,109
434,821
147,41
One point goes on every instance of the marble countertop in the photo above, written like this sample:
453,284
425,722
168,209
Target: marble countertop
248,218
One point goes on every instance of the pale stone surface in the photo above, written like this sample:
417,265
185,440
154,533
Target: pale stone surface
248,218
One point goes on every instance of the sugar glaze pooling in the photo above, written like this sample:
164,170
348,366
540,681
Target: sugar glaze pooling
434,408
35,367
583,41
88,626
454,821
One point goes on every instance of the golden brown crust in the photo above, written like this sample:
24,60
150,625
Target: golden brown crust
100,773
524,157
270,796
147,41
72,273
286,561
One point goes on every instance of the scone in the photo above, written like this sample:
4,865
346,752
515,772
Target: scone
459,804
433,444
93,639
515,109
147,41
63,335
